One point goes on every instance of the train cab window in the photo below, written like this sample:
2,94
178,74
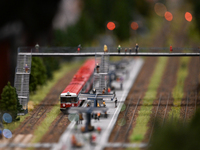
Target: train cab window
73,100
68,99
65,100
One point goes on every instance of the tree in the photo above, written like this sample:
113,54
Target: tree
51,64
38,74
9,100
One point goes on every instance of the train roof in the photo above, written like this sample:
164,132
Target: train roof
81,77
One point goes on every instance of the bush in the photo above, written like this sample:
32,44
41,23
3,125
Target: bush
9,101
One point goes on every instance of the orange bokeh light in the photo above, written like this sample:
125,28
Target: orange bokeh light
188,16
168,16
134,25
111,25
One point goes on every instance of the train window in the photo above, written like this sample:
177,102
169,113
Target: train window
65,99
73,100
68,99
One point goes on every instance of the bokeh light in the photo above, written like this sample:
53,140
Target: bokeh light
111,25
73,117
7,133
7,117
188,16
168,16
121,122
160,9
134,25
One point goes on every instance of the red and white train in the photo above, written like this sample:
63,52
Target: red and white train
81,82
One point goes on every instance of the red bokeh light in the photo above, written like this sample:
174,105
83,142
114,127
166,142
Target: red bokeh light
134,25
188,16
168,16
111,25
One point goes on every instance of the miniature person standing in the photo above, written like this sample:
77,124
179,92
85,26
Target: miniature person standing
26,68
129,50
98,115
94,91
109,90
104,90
119,48
80,118
105,48
170,48
115,102
125,50
79,48
136,48
97,67
121,83
104,104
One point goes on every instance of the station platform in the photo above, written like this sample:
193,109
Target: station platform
106,124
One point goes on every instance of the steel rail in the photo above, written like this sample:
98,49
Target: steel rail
155,118
117,134
166,109
186,109
130,124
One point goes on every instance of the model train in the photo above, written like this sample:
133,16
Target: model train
81,83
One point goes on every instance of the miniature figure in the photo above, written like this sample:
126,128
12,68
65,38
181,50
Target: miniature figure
104,90
104,104
74,142
98,115
129,50
80,118
119,48
94,91
136,48
170,48
79,48
37,47
99,130
115,102
109,90
125,50
121,83
97,67
105,48
26,68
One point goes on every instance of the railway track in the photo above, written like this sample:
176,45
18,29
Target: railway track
124,130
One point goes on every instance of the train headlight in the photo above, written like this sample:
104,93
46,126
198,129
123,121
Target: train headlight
63,105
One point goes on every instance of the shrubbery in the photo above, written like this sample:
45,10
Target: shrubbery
177,135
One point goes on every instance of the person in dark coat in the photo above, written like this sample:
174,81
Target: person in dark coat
136,48
115,102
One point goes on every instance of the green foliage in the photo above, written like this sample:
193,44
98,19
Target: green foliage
38,74
175,136
51,64
8,101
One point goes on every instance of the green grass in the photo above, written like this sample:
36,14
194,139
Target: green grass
146,108
178,92
44,126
